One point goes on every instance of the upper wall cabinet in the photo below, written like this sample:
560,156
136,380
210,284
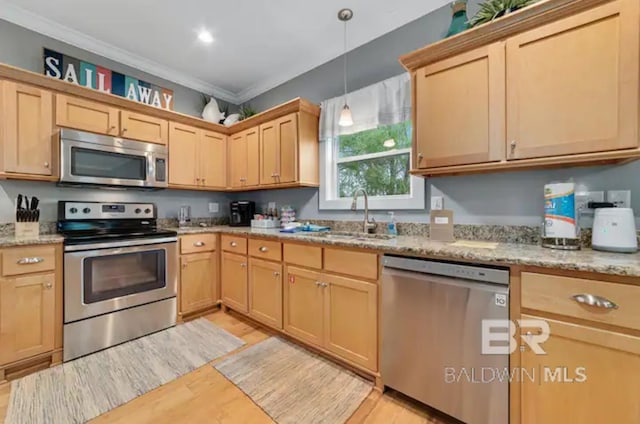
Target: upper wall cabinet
555,83
197,158
244,162
86,115
278,150
27,146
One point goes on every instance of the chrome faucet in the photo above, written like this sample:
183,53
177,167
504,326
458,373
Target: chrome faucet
369,226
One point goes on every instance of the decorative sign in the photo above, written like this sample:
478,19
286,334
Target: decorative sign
70,69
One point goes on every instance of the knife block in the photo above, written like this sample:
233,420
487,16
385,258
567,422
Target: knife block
27,230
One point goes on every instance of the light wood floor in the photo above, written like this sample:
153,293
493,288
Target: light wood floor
205,396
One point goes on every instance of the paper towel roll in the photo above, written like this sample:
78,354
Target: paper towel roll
560,210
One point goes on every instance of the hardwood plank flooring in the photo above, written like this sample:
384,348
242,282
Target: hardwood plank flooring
205,396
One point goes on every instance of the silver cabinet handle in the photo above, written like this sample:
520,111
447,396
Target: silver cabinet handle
318,283
593,300
233,244
420,156
263,249
243,265
324,285
46,164
276,274
48,285
30,261
198,244
513,146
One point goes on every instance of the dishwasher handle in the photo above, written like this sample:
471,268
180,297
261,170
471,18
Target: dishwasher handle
402,277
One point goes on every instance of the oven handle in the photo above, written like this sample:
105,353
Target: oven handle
125,244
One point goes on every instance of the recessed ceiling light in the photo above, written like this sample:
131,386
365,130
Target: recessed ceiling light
205,36
389,143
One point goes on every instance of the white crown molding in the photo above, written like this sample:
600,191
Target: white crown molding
42,25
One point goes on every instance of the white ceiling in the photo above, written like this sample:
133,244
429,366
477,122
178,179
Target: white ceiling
258,45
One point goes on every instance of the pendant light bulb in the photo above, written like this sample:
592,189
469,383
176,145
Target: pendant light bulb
346,120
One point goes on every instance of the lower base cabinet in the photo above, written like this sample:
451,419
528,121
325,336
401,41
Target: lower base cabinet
235,281
587,375
265,292
336,313
198,281
27,311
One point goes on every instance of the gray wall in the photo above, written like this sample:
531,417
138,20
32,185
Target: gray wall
168,201
23,48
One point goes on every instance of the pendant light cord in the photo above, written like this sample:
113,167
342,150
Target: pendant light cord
345,63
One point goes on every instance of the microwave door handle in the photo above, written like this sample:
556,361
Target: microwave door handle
151,168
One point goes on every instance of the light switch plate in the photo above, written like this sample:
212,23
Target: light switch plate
620,198
437,203
214,207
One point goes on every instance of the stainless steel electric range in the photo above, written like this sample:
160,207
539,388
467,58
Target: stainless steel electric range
120,274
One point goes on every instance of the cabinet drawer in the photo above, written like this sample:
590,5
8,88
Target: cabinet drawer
555,294
234,244
265,249
304,255
358,264
26,260
194,243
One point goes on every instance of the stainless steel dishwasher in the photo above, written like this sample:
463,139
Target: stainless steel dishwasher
432,316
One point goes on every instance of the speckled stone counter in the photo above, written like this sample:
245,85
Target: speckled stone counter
586,260
10,241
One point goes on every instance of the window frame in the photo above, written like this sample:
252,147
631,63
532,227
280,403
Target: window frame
329,200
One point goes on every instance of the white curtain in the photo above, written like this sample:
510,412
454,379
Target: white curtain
384,103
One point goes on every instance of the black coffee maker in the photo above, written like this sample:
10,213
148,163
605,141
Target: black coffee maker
242,212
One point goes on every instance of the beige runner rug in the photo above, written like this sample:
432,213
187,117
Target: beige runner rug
293,385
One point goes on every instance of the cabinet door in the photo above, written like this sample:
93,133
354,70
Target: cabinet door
288,149
253,158
234,281
73,112
198,281
183,144
460,111
27,317
26,133
213,161
572,85
558,393
351,319
265,292
303,305
137,126
238,160
269,152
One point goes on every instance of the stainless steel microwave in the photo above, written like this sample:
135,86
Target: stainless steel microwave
87,158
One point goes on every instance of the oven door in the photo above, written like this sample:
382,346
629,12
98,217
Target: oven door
103,280
115,165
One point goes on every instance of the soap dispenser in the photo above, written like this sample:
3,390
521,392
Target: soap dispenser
392,226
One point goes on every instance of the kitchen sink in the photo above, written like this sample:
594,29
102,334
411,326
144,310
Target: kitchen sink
344,235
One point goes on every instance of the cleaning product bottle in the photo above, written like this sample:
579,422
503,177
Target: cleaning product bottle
392,226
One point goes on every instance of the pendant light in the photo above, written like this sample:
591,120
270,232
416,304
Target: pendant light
346,120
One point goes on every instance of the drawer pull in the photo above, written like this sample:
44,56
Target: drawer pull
592,300
318,283
243,265
276,274
198,244
233,244
48,285
30,261
263,249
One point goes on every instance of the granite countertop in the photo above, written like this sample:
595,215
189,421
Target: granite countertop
10,241
586,260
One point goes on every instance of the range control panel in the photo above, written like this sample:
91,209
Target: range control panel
98,210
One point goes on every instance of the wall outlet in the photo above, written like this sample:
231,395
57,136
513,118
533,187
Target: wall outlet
271,205
620,198
214,207
583,198
437,203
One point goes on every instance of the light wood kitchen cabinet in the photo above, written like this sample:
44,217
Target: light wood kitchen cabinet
351,319
278,150
196,157
27,316
198,281
86,115
572,85
304,305
235,281
587,375
460,111
265,292
137,126
26,130
244,159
